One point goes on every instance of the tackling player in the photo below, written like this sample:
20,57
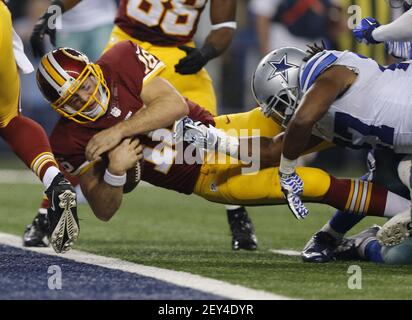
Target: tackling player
29,141
166,29
109,96
327,98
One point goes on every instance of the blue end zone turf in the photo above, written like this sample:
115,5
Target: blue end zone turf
23,275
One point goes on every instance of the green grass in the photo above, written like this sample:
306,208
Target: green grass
161,228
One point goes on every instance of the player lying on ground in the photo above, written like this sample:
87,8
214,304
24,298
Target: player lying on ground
92,112
338,96
166,29
29,141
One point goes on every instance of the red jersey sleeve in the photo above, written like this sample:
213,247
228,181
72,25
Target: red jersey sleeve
129,63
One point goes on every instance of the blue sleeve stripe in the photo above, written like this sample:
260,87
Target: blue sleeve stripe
307,69
321,66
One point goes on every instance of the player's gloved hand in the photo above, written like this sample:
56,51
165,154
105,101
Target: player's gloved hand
196,133
44,26
399,49
292,188
363,32
195,59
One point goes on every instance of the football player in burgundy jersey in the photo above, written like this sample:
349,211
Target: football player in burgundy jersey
123,96
166,28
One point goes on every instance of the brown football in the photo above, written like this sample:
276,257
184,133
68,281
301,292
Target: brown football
133,176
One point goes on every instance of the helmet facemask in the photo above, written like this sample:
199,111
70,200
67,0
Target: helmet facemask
99,98
283,105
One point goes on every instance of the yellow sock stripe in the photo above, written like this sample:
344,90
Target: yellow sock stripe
350,196
37,158
44,162
368,198
41,160
359,197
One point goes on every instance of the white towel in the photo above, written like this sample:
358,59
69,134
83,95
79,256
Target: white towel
22,61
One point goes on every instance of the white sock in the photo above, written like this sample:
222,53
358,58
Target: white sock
80,196
42,211
228,207
48,177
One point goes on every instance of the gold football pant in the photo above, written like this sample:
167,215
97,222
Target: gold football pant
196,87
9,76
226,183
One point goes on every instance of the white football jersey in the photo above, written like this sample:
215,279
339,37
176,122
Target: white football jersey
375,112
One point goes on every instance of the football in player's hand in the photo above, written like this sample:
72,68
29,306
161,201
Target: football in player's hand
134,176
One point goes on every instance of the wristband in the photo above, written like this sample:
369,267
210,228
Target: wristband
113,180
287,166
227,24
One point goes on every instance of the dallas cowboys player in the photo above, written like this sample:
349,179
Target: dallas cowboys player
338,96
396,35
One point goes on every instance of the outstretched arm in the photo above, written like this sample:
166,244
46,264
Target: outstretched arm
398,30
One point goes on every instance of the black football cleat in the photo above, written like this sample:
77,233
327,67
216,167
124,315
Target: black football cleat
62,215
320,248
243,232
35,234
352,248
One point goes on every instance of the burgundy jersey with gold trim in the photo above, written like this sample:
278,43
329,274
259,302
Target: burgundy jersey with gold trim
125,72
160,22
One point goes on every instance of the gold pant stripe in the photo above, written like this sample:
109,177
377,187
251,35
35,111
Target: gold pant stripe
352,187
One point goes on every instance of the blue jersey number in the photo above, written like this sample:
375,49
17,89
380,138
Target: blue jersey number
355,134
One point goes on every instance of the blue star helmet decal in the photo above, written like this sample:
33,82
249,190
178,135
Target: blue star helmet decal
280,67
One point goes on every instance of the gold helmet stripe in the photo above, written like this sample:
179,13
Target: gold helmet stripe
54,74
49,79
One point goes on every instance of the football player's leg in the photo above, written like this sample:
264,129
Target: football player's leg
382,166
36,232
29,141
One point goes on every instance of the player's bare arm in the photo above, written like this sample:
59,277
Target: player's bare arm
315,103
163,106
104,198
271,149
223,19
222,13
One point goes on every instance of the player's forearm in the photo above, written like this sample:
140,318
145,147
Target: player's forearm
219,40
104,199
223,19
296,138
160,113
262,29
398,30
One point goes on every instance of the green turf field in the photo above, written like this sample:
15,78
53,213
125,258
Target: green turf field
168,230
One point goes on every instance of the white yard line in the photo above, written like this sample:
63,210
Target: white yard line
291,253
179,278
